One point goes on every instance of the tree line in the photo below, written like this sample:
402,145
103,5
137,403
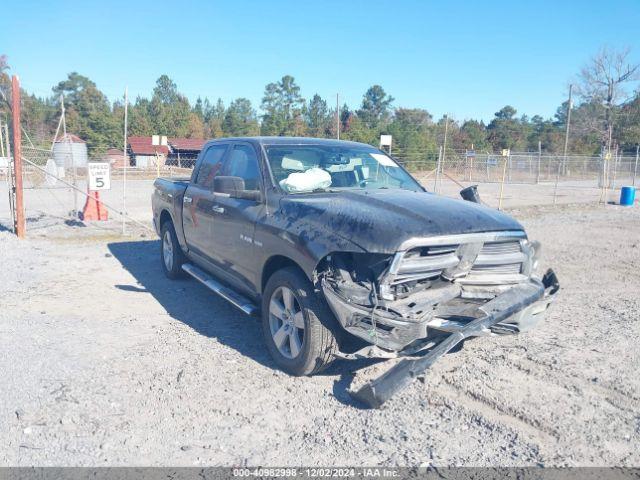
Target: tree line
604,115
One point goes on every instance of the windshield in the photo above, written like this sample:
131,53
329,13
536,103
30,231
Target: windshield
313,168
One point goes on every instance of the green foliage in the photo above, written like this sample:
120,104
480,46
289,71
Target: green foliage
140,123
357,131
240,119
283,107
413,136
376,107
88,113
318,117
475,135
505,131
628,128
169,110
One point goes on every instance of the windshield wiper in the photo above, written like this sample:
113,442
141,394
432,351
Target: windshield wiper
325,190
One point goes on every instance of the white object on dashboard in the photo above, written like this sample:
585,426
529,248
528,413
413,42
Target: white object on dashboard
308,181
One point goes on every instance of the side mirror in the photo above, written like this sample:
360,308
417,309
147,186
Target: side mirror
234,187
471,194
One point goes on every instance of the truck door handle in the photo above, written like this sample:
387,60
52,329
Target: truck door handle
217,209
187,199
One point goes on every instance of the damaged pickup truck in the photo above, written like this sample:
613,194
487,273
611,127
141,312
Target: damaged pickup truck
343,254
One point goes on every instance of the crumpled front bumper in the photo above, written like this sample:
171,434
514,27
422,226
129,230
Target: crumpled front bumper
394,332
527,297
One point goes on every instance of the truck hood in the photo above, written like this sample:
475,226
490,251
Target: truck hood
380,220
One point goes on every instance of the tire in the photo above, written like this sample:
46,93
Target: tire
300,352
171,255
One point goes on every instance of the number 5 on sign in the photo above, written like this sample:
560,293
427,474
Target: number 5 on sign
99,176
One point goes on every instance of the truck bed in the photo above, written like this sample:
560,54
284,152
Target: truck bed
168,194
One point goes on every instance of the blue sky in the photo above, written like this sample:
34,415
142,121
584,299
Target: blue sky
467,59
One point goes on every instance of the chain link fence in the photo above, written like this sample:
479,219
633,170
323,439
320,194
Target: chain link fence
525,179
56,184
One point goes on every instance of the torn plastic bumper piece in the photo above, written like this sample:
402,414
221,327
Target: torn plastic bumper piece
390,331
378,391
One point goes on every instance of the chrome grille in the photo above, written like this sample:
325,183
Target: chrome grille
510,268
498,248
496,261
499,258
426,262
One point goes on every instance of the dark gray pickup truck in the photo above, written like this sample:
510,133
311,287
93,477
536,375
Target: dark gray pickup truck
342,253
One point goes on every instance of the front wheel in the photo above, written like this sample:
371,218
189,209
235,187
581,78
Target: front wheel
295,324
170,252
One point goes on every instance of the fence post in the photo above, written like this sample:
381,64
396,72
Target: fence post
616,162
635,168
17,156
539,161
435,182
555,188
605,178
504,174
486,166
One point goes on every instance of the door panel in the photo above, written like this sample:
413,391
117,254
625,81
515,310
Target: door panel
197,218
235,218
233,230
197,213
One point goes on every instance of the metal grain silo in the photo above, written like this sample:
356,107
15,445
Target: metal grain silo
69,151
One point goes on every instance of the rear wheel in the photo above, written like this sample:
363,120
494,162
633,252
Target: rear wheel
172,256
295,324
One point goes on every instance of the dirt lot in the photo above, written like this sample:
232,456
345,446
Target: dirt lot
105,362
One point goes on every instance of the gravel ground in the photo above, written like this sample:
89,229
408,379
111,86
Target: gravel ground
103,361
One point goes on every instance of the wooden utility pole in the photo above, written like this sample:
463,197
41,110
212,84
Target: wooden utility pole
17,156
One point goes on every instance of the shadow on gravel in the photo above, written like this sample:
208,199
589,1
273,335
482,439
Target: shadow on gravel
194,305
189,302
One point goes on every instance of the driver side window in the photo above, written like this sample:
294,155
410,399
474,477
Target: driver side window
243,163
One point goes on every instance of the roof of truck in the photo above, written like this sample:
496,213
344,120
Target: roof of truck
292,141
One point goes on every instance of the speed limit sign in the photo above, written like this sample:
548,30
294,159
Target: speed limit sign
99,176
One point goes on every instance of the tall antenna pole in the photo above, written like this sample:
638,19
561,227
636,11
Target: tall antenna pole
338,115
67,141
566,134
125,161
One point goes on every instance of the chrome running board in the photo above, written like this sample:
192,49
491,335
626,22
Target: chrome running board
237,300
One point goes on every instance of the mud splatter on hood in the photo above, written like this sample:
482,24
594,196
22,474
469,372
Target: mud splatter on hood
380,220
